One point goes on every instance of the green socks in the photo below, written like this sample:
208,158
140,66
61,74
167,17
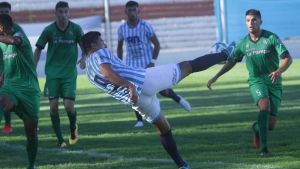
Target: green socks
7,117
72,119
263,127
32,147
56,127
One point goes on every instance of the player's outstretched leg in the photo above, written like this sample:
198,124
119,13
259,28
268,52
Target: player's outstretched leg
177,98
168,142
204,62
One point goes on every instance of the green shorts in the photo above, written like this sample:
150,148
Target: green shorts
26,101
61,87
260,90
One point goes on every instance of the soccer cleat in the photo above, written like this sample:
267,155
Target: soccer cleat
230,48
73,138
61,145
7,129
264,152
186,166
255,136
184,104
139,124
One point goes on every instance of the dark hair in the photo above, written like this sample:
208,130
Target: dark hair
5,5
6,22
87,39
254,12
61,4
131,3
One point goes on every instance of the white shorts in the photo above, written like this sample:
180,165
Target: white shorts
157,79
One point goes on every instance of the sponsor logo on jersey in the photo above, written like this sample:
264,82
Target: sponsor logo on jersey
8,56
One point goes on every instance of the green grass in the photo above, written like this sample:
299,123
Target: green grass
215,135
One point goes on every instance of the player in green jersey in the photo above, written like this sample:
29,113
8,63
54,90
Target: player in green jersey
62,37
19,90
262,50
5,8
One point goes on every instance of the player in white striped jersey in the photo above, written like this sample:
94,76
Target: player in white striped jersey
138,86
139,37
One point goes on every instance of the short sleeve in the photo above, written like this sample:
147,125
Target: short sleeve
120,34
42,40
237,55
279,46
149,30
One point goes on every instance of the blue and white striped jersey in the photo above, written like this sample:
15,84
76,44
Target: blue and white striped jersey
138,44
104,56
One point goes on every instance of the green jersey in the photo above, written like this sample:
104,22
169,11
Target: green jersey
62,52
17,28
262,56
16,63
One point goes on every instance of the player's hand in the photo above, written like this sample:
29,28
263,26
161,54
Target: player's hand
133,94
275,76
210,82
82,63
150,65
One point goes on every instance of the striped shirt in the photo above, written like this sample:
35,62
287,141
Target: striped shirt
138,43
104,56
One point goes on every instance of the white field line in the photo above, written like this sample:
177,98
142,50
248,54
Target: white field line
130,159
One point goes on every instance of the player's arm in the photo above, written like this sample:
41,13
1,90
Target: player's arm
120,49
81,61
156,50
112,76
8,39
286,62
36,55
228,66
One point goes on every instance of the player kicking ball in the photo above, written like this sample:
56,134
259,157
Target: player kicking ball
138,87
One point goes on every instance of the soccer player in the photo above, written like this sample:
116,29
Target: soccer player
262,50
138,87
5,8
139,37
62,37
19,90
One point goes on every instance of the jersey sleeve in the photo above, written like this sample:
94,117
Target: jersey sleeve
42,40
101,58
237,55
79,33
279,46
149,30
120,34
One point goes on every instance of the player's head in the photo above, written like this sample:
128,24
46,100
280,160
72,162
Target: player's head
253,20
5,8
6,24
62,11
91,42
132,10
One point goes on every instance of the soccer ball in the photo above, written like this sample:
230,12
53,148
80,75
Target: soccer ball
217,47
